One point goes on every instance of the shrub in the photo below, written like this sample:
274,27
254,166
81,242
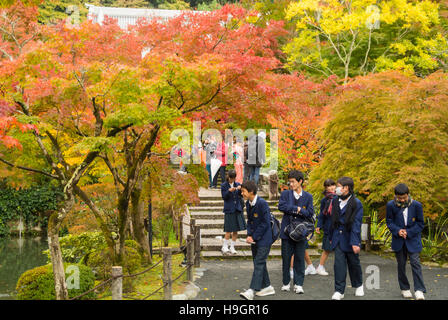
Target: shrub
76,248
38,283
101,262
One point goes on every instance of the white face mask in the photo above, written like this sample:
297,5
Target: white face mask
339,191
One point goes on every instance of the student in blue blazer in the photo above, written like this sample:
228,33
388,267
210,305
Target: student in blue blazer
404,218
233,212
345,238
259,235
294,203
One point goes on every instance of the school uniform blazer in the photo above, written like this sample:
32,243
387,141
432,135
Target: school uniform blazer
232,201
415,225
259,222
346,239
323,221
287,205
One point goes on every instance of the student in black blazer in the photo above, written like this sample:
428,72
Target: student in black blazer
404,218
294,203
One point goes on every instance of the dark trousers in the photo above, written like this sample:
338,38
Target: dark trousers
246,172
342,260
222,172
254,174
414,259
208,167
260,276
290,248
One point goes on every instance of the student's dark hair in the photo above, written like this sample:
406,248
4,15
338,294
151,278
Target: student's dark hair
401,189
347,181
329,182
296,174
250,186
231,174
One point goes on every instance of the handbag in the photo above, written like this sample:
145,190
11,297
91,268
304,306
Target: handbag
300,228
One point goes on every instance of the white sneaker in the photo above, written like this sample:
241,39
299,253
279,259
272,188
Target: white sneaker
419,295
321,271
248,294
286,287
406,293
298,289
265,292
337,296
225,249
310,270
232,248
359,291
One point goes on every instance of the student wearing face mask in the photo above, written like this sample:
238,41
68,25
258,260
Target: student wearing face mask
404,218
345,238
324,222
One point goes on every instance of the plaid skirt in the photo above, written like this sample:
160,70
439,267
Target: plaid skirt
234,222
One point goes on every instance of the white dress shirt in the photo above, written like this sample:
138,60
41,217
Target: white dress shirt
343,203
297,195
253,202
405,216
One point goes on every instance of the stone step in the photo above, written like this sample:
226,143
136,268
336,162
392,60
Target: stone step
216,215
215,194
247,254
220,203
213,233
213,244
218,209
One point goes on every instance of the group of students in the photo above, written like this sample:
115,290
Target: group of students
340,220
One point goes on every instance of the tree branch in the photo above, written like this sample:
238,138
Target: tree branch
29,169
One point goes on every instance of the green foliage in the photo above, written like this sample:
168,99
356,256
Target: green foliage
51,11
379,229
366,36
175,5
76,248
101,262
200,173
90,248
28,203
435,240
209,6
386,129
38,283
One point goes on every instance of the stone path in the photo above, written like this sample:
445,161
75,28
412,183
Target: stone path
224,279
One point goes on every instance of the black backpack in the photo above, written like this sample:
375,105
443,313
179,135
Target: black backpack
300,228
275,227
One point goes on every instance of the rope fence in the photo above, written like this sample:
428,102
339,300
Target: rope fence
193,259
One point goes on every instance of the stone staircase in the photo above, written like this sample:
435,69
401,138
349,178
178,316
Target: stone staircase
209,216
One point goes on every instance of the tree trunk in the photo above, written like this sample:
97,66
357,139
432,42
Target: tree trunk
56,257
138,211
122,227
